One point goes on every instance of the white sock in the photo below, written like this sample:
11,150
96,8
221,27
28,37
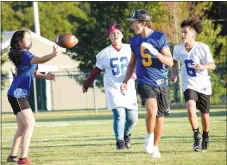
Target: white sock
155,148
150,134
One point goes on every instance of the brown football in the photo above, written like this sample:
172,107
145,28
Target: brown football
66,40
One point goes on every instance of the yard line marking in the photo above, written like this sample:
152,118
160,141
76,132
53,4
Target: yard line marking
59,124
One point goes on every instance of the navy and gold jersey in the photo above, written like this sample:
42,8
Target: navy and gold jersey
149,69
22,82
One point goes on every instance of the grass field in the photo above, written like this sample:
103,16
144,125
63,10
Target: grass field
83,138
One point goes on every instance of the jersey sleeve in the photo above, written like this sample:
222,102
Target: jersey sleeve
100,60
26,57
175,53
164,42
208,57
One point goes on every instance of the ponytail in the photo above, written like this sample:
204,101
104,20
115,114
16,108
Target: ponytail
14,53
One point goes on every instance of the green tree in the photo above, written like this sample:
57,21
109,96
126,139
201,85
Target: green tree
210,36
55,17
59,18
92,32
16,15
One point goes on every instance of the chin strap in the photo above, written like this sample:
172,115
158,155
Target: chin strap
91,77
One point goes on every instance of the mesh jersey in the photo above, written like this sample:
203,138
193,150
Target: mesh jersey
22,82
149,69
197,80
115,64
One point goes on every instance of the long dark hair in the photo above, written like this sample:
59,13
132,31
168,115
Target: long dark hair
14,52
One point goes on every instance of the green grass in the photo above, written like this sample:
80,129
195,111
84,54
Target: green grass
83,138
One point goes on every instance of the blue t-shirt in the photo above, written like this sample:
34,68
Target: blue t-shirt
149,70
22,82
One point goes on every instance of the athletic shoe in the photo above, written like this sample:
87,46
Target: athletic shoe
24,161
128,141
197,142
120,145
12,159
205,143
156,154
149,143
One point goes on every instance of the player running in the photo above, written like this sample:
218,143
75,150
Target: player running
196,60
113,60
151,56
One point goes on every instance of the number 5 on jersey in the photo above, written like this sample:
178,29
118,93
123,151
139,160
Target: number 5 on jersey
147,60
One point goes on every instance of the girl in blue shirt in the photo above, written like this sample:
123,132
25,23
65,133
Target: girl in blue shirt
26,67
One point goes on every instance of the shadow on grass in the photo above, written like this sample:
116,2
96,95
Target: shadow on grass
98,117
184,114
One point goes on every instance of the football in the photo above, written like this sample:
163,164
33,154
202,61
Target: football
66,40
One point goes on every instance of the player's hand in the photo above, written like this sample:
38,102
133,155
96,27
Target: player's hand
198,66
173,79
151,49
55,50
124,87
84,89
50,76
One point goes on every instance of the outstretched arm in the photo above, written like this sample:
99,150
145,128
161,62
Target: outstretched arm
91,77
48,76
43,59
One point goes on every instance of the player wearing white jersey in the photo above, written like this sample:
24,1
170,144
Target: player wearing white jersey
196,60
199,54
115,64
113,60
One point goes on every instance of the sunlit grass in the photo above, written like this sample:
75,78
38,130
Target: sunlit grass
83,138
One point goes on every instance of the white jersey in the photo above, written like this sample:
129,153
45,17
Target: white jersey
115,64
197,80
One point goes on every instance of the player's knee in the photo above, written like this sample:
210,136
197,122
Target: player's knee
191,104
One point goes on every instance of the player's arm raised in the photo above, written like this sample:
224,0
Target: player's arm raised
43,59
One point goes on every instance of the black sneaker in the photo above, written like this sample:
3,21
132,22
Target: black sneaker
127,141
12,159
120,145
197,142
205,143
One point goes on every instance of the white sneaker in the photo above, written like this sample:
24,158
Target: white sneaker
149,143
156,154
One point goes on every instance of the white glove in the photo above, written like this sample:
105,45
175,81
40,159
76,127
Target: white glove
151,49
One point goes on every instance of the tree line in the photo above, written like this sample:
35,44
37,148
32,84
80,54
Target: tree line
89,21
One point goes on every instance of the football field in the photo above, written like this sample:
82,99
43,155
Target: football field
83,138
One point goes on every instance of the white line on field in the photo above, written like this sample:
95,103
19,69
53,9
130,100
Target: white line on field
59,124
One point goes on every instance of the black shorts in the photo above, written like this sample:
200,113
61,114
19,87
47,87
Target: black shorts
202,100
18,104
160,94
